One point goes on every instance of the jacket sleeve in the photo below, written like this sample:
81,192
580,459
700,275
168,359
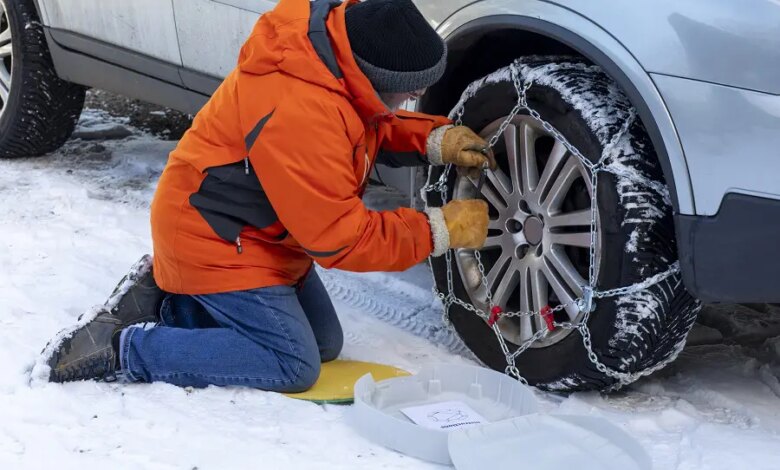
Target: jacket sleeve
304,160
406,141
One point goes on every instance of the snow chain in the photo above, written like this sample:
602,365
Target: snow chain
586,303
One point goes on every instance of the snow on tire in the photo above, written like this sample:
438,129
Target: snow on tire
539,200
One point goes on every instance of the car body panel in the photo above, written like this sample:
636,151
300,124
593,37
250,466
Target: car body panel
733,256
144,26
257,6
731,139
590,34
437,11
229,23
735,43
211,33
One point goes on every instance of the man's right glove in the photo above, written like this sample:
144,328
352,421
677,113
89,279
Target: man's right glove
460,146
459,224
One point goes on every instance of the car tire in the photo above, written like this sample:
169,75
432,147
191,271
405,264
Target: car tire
630,333
39,110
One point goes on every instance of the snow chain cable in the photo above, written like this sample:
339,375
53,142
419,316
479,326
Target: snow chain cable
585,304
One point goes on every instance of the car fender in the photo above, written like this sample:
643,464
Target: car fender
593,42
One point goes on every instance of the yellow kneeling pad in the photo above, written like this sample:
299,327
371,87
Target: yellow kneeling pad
337,380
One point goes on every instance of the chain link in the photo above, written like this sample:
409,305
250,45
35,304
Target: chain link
585,304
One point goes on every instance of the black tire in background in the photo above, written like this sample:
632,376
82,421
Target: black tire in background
632,332
42,110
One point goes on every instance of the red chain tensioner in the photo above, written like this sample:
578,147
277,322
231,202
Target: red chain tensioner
495,313
547,314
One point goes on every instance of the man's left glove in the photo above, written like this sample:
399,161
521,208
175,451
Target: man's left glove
460,146
459,224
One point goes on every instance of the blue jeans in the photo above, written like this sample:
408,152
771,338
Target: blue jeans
273,338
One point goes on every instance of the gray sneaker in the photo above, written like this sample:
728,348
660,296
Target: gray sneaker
91,351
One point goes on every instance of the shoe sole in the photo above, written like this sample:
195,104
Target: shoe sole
88,369
42,370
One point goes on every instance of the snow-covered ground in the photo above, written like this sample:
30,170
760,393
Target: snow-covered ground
74,221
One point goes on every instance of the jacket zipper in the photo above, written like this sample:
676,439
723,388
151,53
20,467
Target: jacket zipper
239,247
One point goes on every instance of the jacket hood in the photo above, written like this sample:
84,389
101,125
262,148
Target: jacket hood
308,40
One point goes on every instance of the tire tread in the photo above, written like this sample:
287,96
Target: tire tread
47,108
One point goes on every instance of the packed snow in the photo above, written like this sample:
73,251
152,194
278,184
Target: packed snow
75,221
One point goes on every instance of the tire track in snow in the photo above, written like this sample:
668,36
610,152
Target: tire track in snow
394,306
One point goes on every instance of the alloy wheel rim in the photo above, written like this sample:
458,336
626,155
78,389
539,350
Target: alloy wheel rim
537,251
6,58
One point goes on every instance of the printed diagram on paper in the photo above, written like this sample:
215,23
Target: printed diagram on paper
445,415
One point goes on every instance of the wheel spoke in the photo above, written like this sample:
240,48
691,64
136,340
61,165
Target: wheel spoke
579,218
496,224
565,281
493,198
526,322
513,157
530,172
6,50
578,239
564,295
500,182
560,262
5,36
561,184
506,286
3,93
492,276
492,242
557,156
540,298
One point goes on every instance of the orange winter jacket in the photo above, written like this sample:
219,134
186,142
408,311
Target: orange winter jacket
271,174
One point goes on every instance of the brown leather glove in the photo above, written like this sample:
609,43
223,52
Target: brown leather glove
459,224
464,148
467,222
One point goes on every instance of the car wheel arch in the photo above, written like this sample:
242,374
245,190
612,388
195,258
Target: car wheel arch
546,37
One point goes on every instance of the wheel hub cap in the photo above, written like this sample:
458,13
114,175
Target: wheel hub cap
534,230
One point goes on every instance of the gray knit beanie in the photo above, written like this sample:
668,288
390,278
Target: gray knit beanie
394,45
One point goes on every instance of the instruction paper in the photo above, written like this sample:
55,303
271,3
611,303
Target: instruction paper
446,415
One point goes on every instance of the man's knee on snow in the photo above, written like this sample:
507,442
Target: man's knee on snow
300,368
303,374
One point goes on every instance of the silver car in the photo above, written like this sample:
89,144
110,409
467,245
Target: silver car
682,98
